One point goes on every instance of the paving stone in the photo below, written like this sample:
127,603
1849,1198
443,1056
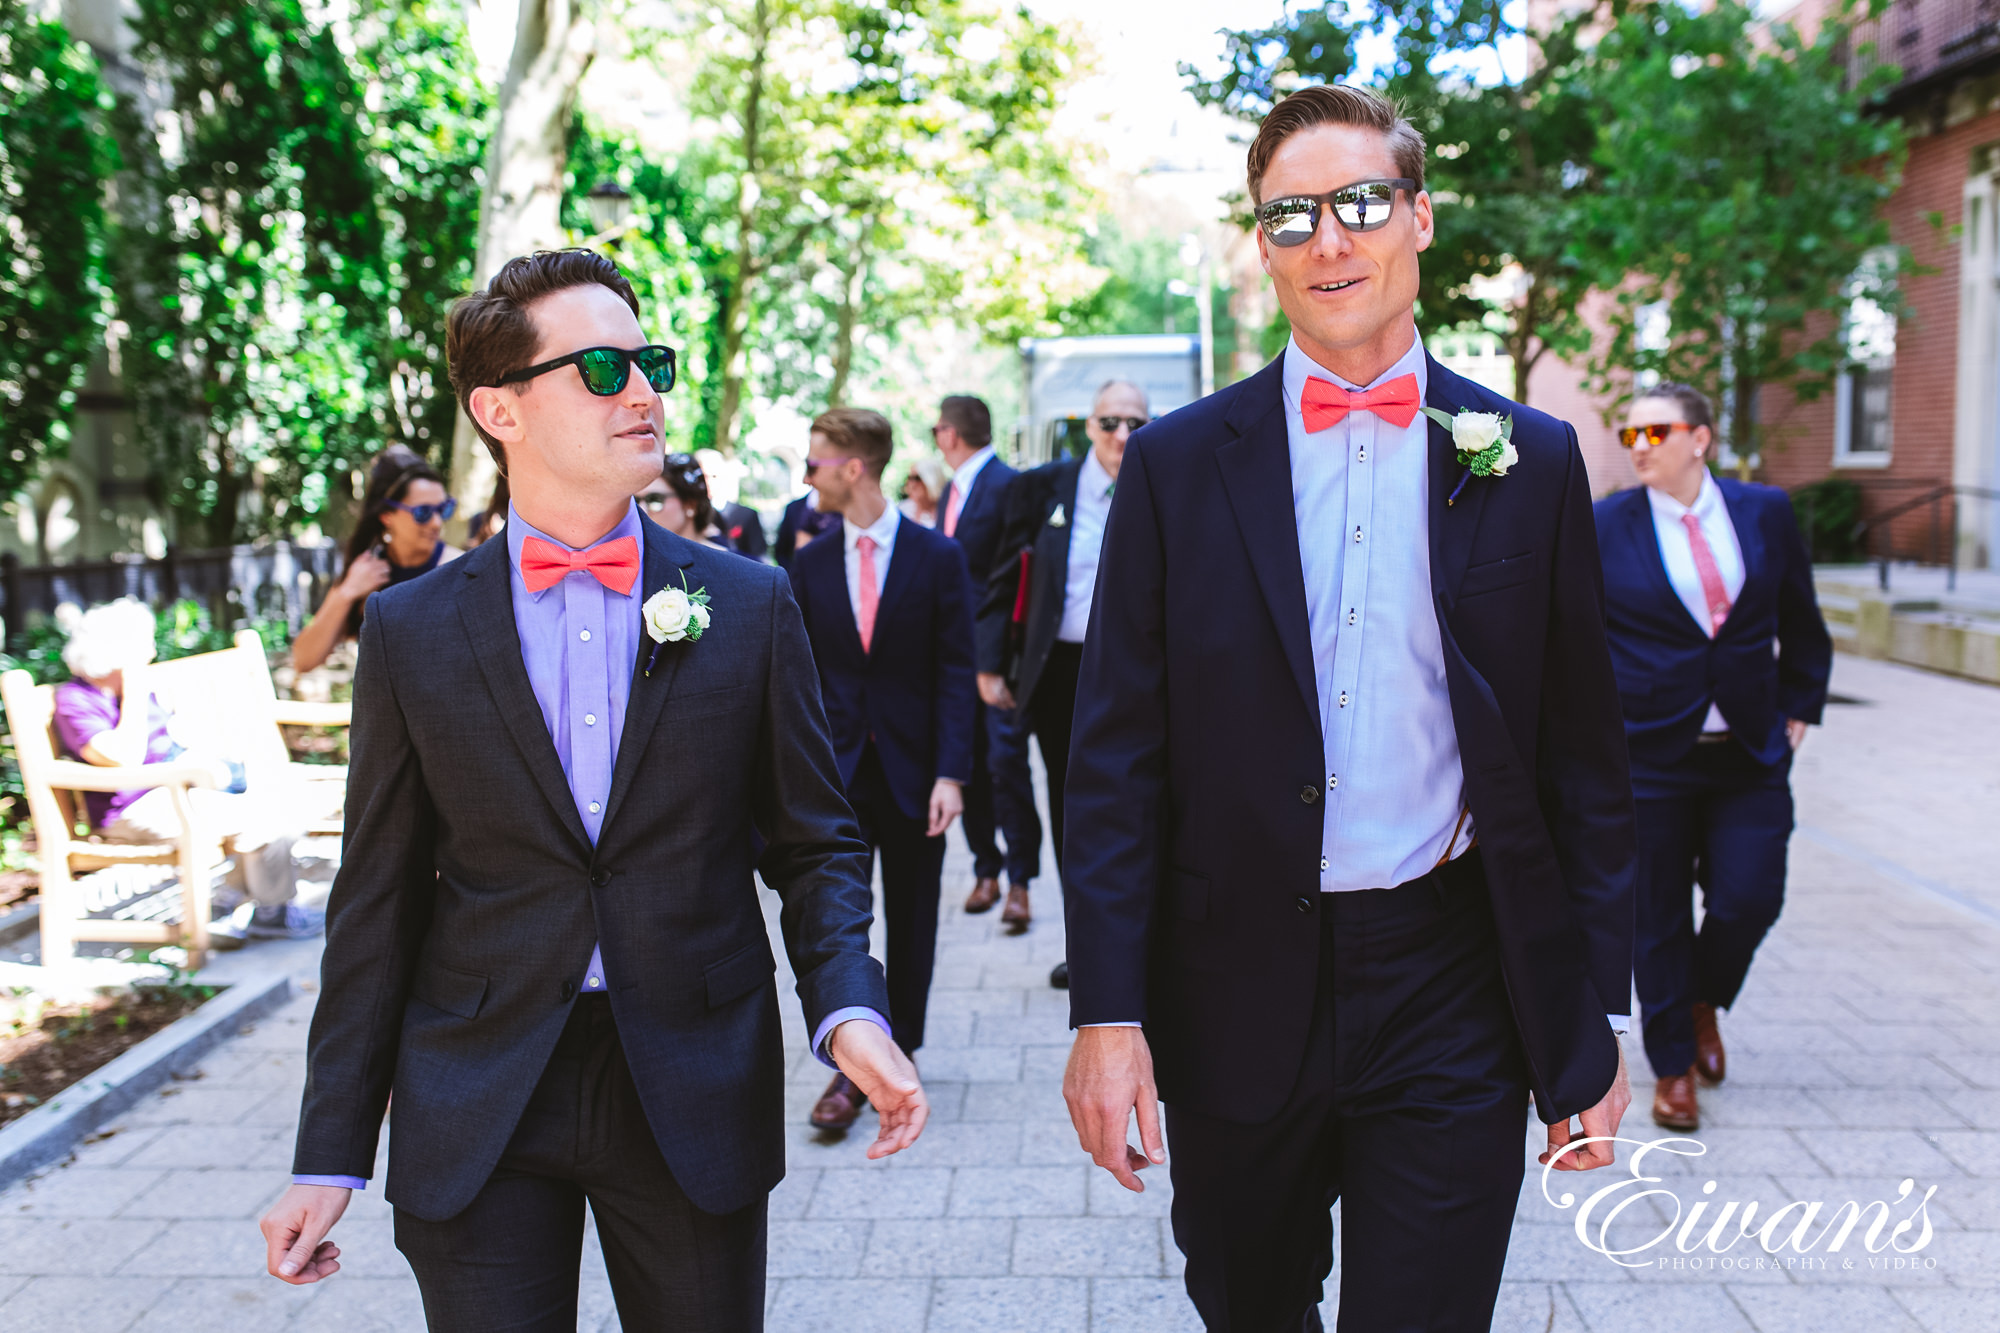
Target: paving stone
788,1200
207,1248
947,1247
1051,1143
78,1191
1021,1191
1977,1107
1105,1197
194,1103
1792,1310
1142,1305
1009,1305
1087,1247
1631,1307
871,1192
851,1305
1877,1152
817,1249
227,1305
206,1145
70,1247
213,1193
965,1143
1534,1307
79,1304
1935,1311
1550,1254
971,1064
350,1303
1887,1108
1896,1071
1976,1152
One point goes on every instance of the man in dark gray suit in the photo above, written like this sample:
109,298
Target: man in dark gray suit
545,938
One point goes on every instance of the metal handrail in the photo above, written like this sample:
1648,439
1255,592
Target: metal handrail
1933,499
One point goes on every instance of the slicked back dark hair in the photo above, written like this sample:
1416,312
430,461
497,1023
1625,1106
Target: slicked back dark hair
491,332
1335,104
970,417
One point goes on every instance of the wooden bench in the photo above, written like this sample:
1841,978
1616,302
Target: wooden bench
225,696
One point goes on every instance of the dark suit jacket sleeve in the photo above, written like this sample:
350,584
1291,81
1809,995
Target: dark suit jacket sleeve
1018,530
955,692
813,858
1116,806
1805,649
1586,785
377,918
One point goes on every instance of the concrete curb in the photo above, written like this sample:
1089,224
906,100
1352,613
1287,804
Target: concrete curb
47,1133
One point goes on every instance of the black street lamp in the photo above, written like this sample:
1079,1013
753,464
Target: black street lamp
610,207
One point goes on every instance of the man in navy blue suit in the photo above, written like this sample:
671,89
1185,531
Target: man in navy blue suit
1001,794
1349,856
888,609
1702,575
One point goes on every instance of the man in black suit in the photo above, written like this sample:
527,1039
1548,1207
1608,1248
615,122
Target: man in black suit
888,609
744,528
1031,634
1350,849
1001,794
799,526
545,939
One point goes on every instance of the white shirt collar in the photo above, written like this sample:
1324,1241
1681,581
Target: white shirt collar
883,529
1706,501
1299,367
966,471
1093,481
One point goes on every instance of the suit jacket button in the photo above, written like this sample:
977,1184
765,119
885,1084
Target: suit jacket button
599,878
1305,904
1309,793
568,991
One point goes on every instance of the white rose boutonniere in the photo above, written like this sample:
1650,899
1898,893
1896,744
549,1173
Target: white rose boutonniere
674,615
1484,441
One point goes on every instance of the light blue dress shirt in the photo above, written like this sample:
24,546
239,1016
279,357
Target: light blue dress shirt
1395,789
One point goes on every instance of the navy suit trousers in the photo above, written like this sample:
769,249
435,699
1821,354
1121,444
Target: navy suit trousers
1001,797
1722,819
912,874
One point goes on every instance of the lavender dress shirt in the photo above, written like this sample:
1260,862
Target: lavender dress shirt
580,644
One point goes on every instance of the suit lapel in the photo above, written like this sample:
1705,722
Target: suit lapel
903,557
1749,533
828,577
1257,474
1453,523
1645,540
487,612
666,556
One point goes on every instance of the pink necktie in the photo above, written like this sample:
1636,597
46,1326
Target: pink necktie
870,594
953,501
1711,577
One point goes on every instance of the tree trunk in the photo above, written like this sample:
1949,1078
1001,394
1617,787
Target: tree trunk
850,307
1742,427
1520,337
736,299
521,211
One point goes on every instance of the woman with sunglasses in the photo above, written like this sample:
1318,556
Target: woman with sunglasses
1702,575
678,501
399,537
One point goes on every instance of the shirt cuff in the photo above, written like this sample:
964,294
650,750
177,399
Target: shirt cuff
1111,1025
1620,1023
835,1019
344,1182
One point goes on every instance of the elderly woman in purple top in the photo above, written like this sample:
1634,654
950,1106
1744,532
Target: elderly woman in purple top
107,654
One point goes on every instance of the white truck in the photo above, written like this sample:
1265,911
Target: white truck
1064,374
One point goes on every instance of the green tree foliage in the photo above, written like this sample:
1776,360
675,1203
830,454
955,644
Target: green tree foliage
255,344
1743,180
1510,161
54,155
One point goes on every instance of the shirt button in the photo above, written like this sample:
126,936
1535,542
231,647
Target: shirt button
1332,781
1357,532
1322,863
1305,904
585,634
1343,698
1309,794
590,719
593,807
593,983
1350,615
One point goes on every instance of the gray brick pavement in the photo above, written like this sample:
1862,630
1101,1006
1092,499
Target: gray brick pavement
1863,1051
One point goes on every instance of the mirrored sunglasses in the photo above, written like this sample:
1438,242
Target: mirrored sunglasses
605,369
1362,206
1656,434
423,514
1110,425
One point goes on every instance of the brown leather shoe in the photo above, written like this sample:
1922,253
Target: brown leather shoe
1710,1064
1674,1106
1015,915
839,1105
984,894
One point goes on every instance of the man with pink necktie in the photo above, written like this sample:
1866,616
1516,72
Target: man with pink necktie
888,610
1702,576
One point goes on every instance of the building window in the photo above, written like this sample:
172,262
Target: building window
1862,404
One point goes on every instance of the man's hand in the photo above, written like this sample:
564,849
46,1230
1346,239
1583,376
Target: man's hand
296,1248
879,1068
947,804
1599,1122
1110,1076
1795,731
993,689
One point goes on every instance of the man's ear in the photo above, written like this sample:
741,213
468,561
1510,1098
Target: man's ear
1263,250
1703,438
493,410
1426,220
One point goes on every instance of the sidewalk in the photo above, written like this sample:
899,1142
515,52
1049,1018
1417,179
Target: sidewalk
1863,1051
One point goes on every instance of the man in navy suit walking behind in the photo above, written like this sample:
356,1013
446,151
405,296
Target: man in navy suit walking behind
1702,576
1349,844
888,609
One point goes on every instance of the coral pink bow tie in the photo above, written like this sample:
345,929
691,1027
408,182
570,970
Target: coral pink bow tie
615,563
1325,403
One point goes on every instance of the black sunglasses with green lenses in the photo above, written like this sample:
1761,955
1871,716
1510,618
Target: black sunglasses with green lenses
1362,206
605,369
